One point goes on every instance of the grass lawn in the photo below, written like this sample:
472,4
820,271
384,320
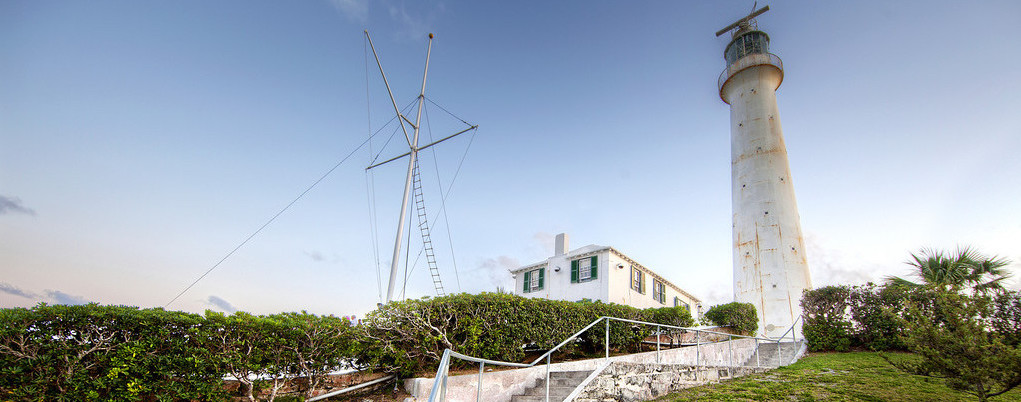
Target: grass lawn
854,376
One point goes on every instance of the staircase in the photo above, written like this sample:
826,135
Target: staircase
562,383
767,356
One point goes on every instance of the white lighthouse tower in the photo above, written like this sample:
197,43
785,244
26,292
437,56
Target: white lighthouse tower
770,269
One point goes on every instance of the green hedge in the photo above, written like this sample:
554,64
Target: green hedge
409,336
839,318
105,353
118,353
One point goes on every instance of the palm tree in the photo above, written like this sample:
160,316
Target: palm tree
965,267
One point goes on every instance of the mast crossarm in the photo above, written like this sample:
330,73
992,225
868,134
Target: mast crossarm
450,136
390,160
427,146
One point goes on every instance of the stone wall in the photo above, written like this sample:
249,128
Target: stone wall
623,381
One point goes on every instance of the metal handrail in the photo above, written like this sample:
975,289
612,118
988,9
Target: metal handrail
349,389
439,388
794,338
793,335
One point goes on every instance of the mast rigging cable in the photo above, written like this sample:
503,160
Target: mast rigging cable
285,208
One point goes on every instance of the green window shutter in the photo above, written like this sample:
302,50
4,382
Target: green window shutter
595,266
574,271
541,274
528,279
641,283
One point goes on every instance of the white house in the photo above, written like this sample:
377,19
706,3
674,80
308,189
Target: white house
599,273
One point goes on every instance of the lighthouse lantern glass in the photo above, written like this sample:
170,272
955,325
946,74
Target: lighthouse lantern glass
751,42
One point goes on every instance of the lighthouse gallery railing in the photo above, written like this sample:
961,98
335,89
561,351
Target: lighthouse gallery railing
749,61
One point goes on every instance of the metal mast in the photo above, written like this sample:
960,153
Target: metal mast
412,164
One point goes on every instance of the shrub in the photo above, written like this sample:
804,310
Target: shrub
738,316
676,316
875,312
826,324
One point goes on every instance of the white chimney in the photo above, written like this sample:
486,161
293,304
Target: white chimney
560,247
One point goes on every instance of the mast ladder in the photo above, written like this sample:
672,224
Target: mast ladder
423,227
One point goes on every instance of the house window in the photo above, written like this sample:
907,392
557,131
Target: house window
534,280
658,291
585,269
680,303
637,279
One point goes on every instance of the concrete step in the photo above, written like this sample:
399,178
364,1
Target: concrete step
541,390
562,383
559,382
570,374
766,354
539,398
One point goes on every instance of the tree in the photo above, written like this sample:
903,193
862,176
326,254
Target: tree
964,268
953,339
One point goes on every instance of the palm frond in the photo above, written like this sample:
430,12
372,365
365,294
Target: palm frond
898,282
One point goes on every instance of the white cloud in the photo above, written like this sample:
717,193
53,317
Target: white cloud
546,242
497,270
315,255
355,10
414,24
829,266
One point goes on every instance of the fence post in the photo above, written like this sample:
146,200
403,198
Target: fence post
698,347
779,358
658,334
446,373
758,363
439,391
607,338
547,376
730,347
478,393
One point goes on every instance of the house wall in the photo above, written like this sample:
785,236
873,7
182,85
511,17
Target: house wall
612,283
558,285
620,290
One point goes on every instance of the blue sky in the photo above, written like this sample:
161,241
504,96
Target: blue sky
140,142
